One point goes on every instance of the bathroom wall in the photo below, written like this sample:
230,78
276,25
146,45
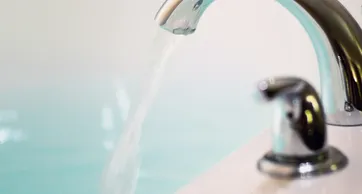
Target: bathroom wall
68,37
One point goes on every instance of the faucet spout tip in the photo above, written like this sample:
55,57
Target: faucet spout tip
181,17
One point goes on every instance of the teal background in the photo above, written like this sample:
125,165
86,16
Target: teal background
56,143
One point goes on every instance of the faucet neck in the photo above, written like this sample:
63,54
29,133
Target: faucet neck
337,40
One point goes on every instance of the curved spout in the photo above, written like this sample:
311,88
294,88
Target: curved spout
345,37
328,67
340,69
336,38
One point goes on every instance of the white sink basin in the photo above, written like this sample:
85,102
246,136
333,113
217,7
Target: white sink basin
237,173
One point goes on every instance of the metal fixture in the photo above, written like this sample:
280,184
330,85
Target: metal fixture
337,40
299,147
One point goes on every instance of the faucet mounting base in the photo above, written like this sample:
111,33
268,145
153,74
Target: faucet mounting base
334,161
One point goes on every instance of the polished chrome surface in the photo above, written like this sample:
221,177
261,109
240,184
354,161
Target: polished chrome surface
181,16
329,25
345,37
299,122
335,161
299,134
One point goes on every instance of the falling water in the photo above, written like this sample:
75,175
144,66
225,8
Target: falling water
121,175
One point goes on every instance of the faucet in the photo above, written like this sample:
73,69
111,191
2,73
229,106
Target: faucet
336,38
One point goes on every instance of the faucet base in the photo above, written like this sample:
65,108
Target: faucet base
345,119
272,165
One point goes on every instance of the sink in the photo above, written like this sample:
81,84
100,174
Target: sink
237,173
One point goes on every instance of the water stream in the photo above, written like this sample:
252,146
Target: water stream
121,175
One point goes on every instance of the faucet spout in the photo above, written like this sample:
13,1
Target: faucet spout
181,16
336,38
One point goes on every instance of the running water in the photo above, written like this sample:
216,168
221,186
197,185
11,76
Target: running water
121,174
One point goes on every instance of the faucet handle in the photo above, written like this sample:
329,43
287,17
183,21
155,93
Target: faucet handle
299,147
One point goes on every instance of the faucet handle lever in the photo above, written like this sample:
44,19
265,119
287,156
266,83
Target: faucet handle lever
299,146
300,116
277,86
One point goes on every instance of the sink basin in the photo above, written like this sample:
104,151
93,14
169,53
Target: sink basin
237,173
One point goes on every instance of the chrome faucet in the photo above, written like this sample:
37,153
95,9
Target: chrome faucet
336,38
